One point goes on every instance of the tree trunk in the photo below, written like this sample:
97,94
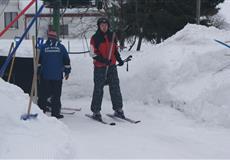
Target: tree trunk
139,43
132,44
122,43
140,39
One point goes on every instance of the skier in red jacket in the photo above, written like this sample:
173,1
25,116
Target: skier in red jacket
105,54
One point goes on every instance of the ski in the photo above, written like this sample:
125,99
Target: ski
226,45
69,113
102,121
71,109
126,118
65,112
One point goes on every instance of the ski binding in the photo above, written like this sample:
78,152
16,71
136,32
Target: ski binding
125,118
101,121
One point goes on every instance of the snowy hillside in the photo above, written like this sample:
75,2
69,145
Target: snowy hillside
173,88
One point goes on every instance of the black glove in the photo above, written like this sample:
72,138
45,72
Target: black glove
66,76
120,63
67,72
129,58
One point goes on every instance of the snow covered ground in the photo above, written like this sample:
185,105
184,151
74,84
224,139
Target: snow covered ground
173,88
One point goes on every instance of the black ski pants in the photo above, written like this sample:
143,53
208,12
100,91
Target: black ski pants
114,88
53,89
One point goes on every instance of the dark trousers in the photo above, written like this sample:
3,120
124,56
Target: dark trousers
114,88
53,89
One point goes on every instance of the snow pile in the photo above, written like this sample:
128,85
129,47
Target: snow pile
40,138
225,7
198,83
181,72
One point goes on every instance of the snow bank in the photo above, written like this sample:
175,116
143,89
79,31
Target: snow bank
39,138
181,72
224,8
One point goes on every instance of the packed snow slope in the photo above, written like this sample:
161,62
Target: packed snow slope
174,88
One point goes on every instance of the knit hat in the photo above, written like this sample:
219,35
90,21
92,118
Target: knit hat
52,34
102,20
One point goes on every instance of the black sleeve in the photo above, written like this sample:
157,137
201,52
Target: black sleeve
118,57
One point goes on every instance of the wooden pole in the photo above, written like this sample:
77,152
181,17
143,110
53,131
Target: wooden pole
35,60
12,63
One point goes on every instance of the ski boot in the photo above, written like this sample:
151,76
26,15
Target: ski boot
58,116
119,113
97,116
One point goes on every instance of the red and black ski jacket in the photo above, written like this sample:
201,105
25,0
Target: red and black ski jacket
100,46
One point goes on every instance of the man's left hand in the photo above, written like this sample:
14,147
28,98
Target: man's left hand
120,63
66,77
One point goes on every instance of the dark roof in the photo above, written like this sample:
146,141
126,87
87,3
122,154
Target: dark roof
67,3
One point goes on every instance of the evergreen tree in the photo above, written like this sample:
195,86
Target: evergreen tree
159,19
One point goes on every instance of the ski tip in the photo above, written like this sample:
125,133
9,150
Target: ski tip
112,124
88,115
137,122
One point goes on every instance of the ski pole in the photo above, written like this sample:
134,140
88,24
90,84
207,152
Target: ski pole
226,45
16,18
12,63
110,54
127,61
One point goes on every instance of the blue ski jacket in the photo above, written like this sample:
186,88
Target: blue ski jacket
53,61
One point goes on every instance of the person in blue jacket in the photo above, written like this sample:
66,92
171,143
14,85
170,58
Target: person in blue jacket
53,62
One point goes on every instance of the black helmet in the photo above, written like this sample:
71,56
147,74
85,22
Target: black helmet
102,20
